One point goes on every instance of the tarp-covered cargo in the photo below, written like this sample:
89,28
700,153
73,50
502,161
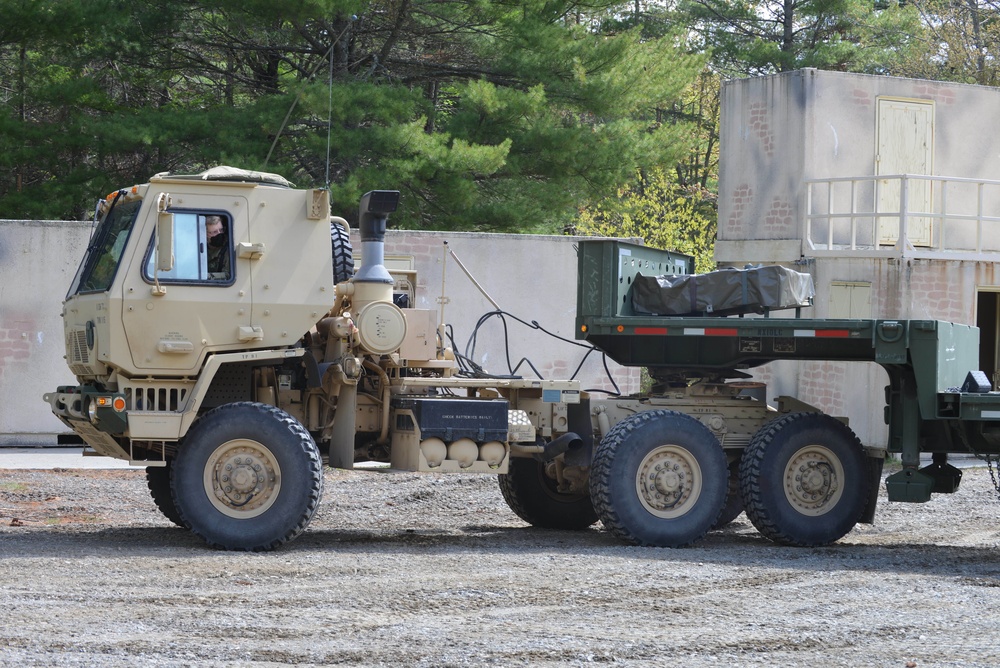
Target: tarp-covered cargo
723,292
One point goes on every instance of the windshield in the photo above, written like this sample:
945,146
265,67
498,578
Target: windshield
97,271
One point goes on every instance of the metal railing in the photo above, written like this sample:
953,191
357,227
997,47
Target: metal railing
903,214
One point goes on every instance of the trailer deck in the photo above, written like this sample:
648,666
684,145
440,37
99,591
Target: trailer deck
937,401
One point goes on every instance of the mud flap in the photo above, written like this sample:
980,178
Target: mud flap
578,418
874,466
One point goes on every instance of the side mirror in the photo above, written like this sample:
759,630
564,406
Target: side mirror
164,234
97,210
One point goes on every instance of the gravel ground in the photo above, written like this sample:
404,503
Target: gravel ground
434,570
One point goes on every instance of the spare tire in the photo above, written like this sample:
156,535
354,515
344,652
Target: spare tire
343,254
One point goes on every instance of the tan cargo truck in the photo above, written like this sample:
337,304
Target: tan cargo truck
222,338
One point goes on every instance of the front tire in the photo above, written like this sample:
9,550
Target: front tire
533,497
659,478
247,476
803,480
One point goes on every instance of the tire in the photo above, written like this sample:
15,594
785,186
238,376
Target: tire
343,254
734,500
158,482
819,509
247,476
533,497
659,478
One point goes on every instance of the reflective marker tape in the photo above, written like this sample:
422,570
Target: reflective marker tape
710,331
732,331
823,333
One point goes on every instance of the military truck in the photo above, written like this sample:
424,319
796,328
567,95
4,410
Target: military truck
233,383
223,338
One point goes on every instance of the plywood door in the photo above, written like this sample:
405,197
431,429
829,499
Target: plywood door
905,145
850,300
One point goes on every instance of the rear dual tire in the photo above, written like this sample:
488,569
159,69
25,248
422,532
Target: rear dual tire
659,478
534,497
803,480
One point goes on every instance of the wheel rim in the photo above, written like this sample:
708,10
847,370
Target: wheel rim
242,478
669,481
814,480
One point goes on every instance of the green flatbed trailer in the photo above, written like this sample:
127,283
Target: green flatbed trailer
937,401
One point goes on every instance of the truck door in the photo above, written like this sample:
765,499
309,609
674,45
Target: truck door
203,303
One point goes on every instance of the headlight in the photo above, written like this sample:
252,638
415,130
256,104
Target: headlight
96,402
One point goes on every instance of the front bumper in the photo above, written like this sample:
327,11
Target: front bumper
98,417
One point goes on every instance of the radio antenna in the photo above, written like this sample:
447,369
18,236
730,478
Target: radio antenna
298,96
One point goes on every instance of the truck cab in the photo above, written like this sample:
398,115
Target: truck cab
167,319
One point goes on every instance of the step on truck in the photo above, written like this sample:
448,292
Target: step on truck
222,337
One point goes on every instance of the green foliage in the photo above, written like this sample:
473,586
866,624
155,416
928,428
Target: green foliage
488,116
660,212
502,116
959,42
752,37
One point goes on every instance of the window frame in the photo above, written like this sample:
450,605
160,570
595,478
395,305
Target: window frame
201,215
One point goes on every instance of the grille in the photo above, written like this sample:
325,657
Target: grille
78,352
156,398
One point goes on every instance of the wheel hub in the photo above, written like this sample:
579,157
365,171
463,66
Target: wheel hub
668,481
242,478
814,480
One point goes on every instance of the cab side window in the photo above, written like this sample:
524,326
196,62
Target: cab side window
218,252
202,250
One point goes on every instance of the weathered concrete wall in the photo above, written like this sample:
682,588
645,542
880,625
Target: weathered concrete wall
37,264
778,131
531,277
781,130
763,139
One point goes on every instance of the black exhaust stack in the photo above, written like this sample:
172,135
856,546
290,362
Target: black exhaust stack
375,208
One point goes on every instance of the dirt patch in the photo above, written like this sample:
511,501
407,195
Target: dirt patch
434,570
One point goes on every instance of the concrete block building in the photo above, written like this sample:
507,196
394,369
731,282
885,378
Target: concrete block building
885,190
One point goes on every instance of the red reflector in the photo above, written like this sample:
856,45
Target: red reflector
650,330
833,333
119,404
720,331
